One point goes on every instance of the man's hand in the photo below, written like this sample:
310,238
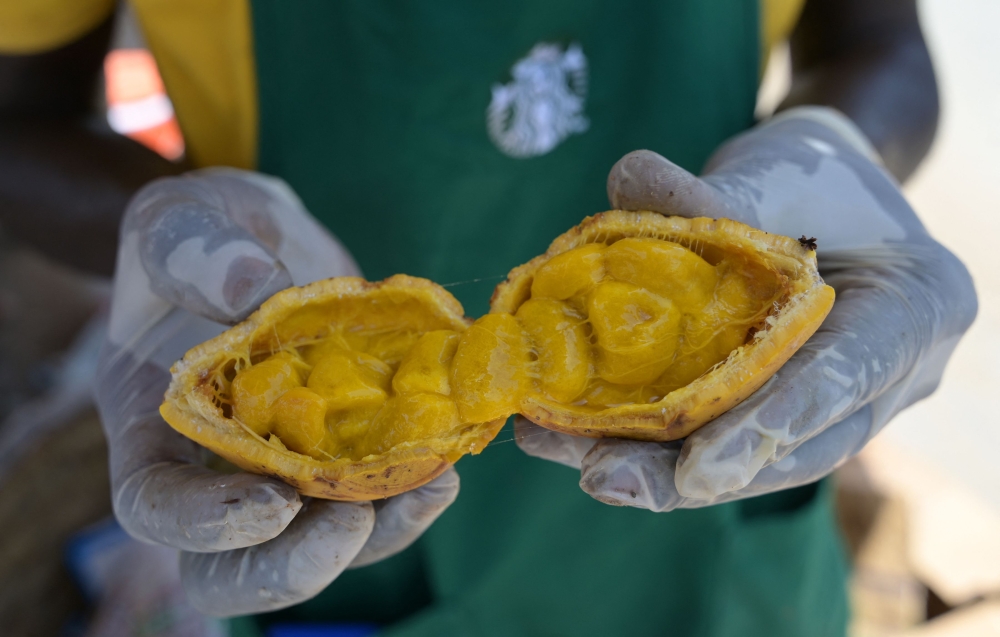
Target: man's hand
903,302
196,253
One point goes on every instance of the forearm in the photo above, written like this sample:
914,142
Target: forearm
868,59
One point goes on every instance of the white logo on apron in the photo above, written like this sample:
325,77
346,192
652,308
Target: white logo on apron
543,104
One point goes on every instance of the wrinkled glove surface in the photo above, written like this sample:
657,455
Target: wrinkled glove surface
198,253
903,302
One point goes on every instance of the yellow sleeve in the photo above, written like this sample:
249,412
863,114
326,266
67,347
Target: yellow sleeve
777,19
36,26
204,49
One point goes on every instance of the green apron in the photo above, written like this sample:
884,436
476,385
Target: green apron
375,112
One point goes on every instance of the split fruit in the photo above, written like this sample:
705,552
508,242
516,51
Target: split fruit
631,325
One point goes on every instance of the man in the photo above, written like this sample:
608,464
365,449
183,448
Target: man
453,142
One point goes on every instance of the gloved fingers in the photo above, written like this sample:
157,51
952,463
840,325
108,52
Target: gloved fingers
835,121
644,180
813,176
159,493
159,496
400,520
821,129
194,255
632,473
642,474
811,460
304,246
219,242
295,566
883,324
550,445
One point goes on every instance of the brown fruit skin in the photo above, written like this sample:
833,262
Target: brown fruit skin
805,304
189,408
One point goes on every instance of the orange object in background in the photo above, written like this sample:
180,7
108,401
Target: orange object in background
138,106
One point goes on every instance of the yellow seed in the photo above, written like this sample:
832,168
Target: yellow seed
348,379
300,421
666,268
256,388
743,291
409,418
425,367
637,332
334,343
348,428
559,335
489,372
392,348
740,301
570,273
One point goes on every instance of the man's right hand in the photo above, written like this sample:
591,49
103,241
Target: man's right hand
197,253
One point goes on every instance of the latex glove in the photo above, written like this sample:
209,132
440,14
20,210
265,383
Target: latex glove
197,252
903,302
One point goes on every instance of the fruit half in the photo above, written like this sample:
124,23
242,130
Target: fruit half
647,327
340,388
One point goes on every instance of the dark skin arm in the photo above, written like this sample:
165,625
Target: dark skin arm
868,59
64,177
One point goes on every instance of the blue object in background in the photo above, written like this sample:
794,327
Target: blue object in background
90,552
321,630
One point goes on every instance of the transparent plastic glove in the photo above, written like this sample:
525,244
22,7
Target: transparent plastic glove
198,253
903,302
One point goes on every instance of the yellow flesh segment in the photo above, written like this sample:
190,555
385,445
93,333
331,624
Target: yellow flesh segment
605,326
665,268
350,379
300,421
489,374
425,367
570,273
256,388
560,337
347,428
637,332
392,348
410,417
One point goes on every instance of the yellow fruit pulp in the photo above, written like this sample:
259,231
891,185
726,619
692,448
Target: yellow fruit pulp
329,400
605,326
342,388
334,399
647,327
630,322
631,325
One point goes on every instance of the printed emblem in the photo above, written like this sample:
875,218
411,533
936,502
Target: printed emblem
543,104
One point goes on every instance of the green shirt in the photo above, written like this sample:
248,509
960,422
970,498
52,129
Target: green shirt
454,140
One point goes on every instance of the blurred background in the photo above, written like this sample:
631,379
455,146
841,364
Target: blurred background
920,507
